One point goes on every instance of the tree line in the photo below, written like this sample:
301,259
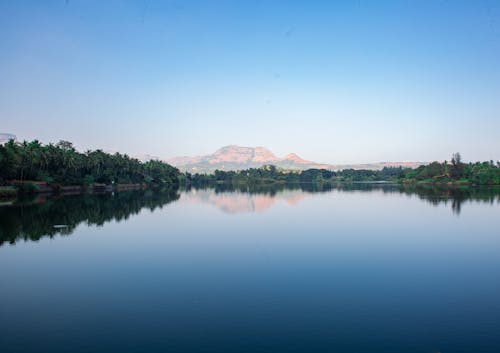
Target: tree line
455,172
62,164
273,174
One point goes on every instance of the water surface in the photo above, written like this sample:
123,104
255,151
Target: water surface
361,268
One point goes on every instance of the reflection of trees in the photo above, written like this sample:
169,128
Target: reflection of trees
457,195
430,193
269,189
34,220
434,194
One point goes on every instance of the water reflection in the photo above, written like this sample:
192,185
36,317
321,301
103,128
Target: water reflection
456,196
47,217
234,202
240,199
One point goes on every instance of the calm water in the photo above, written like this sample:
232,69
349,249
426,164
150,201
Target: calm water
357,269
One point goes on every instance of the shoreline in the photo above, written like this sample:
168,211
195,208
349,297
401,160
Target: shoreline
15,190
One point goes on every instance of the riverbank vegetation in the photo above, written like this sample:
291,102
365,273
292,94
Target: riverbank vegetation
32,167
28,165
271,174
452,173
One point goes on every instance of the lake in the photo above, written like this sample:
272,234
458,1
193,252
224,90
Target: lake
357,268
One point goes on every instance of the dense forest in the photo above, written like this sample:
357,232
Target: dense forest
479,173
62,164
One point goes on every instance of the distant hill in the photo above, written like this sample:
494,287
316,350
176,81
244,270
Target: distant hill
237,158
377,165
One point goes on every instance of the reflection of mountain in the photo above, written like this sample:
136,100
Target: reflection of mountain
257,198
55,216
242,202
37,219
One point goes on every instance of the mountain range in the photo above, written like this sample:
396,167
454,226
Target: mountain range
234,157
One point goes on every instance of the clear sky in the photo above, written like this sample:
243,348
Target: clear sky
333,81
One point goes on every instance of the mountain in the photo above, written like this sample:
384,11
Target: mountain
237,157
377,165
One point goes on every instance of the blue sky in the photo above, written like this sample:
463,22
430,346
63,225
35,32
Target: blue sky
334,81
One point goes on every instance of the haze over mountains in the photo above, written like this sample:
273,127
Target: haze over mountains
234,157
